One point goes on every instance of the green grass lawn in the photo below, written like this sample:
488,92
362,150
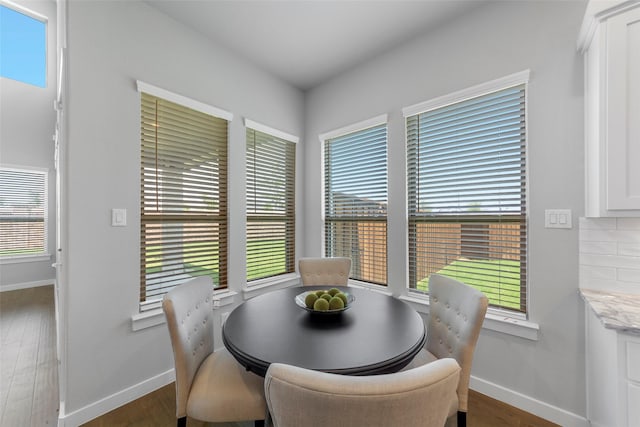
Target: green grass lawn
13,252
499,280
197,264
264,258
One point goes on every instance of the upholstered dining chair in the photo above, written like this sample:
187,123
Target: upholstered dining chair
456,313
420,397
211,385
325,271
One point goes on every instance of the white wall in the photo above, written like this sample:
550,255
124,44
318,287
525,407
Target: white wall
27,121
110,45
490,42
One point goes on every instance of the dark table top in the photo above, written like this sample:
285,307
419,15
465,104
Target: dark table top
377,334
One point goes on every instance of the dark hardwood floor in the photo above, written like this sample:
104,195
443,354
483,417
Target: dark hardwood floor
485,411
29,382
28,366
158,409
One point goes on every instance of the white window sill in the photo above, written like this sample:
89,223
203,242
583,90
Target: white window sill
147,319
370,287
495,320
223,297
154,315
257,287
16,259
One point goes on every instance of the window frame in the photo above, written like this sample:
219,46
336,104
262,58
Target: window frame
145,306
44,255
341,132
512,80
284,137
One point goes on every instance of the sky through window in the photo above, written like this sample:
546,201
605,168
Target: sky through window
22,47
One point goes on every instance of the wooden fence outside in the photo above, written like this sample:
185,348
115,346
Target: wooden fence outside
439,244
31,236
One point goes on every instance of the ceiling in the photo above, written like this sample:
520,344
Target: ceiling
307,42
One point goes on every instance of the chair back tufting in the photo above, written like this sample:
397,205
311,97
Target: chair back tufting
325,271
418,397
188,310
456,314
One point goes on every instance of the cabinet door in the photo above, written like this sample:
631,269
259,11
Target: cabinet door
632,379
603,393
633,401
623,111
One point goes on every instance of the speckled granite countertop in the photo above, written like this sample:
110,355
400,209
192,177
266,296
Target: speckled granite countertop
616,310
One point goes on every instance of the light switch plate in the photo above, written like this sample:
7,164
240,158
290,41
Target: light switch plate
118,217
557,218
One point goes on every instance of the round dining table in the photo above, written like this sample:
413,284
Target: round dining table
376,334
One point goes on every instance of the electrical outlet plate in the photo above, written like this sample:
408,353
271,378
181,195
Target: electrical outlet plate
557,218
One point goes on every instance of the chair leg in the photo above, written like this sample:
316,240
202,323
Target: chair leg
182,422
268,421
462,419
259,423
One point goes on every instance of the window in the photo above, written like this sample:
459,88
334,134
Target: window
271,218
23,39
467,191
23,212
355,200
183,221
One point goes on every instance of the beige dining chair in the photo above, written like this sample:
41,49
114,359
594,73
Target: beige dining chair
211,385
417,398
325,271
456,313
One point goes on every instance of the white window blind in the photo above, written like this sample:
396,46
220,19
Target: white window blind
467,195
355,169
270,205
23,212
183,197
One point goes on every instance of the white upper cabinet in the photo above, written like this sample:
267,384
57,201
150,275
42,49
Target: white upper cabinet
610,42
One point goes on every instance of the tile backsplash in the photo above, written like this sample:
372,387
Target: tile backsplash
610,254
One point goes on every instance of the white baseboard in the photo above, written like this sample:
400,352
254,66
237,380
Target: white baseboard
26,285
109,403
527,403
